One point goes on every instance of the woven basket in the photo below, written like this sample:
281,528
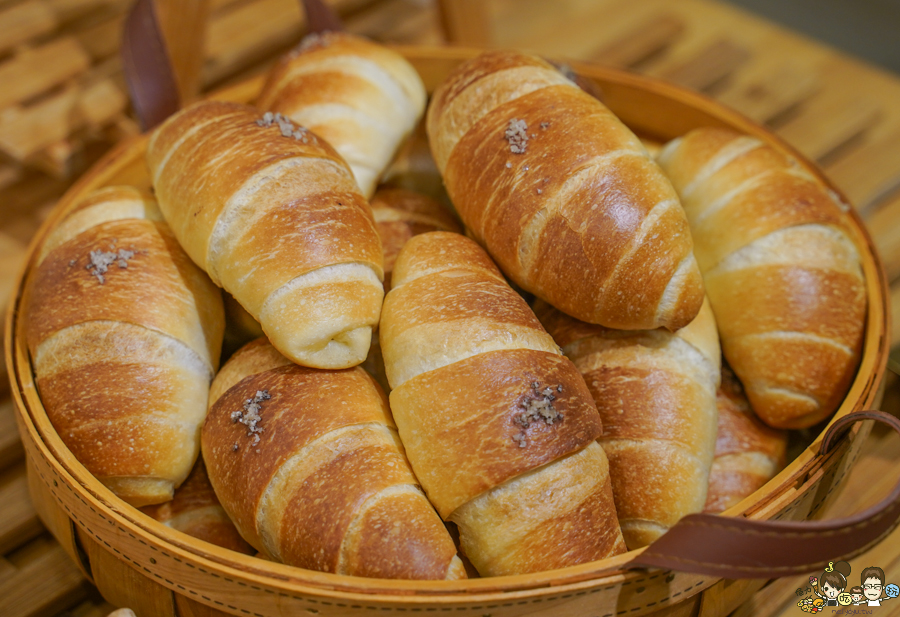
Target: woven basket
142,564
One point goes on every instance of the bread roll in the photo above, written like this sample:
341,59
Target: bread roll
399,215
196,511
656,394
308,465
271,212
563,196
748,453
781,270
498,425
361,97
124,334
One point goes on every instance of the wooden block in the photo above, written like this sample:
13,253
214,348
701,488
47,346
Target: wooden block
26,130
45,582
884,226
644,41
19,522
23,22
398,21
829,120
37,71
12,254
102,40
99,104
466,22
11,450
772,94
68,10
708,67
869,173
9,174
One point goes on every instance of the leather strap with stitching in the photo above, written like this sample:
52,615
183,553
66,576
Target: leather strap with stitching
734,547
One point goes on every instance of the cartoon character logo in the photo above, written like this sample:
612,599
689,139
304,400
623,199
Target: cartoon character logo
830,588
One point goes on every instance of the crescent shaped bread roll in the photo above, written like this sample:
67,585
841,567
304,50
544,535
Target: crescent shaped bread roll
782,273
563,196
272,213
498,425
308,465
361,97
125,333
656,394
748,453
399,215
196,511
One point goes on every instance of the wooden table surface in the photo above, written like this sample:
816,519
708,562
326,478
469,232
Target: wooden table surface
63,103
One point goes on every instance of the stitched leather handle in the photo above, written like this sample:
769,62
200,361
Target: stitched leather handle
152,77
730,547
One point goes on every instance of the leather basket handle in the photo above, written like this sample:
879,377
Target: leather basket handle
162,52
733,547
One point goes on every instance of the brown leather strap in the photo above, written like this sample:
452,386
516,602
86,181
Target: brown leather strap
320,17
148,68
731,547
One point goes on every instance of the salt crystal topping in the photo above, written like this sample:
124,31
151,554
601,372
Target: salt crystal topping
288,128
538,407
250,417
100,261
517,136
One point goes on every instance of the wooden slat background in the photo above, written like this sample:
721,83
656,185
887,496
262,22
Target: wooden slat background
63,103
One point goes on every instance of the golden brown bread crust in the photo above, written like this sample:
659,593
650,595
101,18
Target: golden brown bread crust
578,214
196,511
656,394
316,489
361,97
748,453
278,222
782,273
401,214
123,358
483,398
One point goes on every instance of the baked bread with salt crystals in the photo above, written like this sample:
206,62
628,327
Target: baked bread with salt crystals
196,511
498,424
563,196
124,333
782,273
272,213
748,453
308,465
656,394
361,97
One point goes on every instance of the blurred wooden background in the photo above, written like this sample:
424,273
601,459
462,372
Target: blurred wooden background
63,104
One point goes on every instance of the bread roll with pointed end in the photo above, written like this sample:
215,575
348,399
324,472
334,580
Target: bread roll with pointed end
308,465
196,511
399,215
498,425
563,196
656,394
361,97
125,334
272,213
748,453
782,273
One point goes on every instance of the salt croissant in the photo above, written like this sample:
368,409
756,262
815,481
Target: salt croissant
272,213
125,334
656,394
498,425
563,196
308,465
196,511
782,273
362,98
748,453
